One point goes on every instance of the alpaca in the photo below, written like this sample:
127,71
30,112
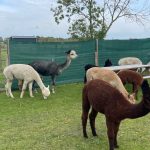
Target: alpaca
28,75
110,77
88,66
129,76
106,99
51,68
131,61
108,63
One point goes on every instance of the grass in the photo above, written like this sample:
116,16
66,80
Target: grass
55,124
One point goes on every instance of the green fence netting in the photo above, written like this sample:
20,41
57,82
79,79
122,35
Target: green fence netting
116,49
26,52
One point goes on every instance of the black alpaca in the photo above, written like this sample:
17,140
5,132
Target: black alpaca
51,68
108,63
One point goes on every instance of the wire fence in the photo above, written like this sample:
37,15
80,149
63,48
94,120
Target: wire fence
23,50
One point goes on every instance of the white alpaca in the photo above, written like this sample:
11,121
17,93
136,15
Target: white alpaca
28,75
131,61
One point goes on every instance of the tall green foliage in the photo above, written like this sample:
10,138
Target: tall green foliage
83,16
90,19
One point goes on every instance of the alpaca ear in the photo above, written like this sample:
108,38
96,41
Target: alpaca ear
48,86
68,52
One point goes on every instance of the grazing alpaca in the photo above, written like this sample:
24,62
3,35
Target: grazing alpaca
51,68
130,61
88,66
28,75
110,77
104,98
129,76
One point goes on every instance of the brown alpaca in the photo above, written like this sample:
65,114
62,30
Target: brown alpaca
111,77
129,76
106,99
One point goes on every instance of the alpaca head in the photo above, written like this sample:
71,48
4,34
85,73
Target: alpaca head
71,54
108,63
45,92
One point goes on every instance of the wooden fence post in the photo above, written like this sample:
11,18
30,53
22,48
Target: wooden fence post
96,53
1,58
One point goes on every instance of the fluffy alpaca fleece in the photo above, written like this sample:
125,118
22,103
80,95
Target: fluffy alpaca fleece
28,75
131,61
110,77
104,98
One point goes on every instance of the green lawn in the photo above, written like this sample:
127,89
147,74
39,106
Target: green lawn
55,124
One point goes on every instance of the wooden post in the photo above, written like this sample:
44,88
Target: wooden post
96,53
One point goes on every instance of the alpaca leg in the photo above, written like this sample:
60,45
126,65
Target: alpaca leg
53,84
20,82
85,111
6,89
30,89
116,132
92,117
23,89
53,89
110,133
9,84
34,88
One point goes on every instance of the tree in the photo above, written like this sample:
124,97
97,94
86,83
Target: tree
90,19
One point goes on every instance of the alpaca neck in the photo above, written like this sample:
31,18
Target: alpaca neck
64,65
136,111
39,82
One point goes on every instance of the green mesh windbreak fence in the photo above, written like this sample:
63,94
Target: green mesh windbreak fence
27,51
24,53
116,49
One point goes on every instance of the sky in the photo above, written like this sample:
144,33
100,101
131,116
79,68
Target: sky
34,18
